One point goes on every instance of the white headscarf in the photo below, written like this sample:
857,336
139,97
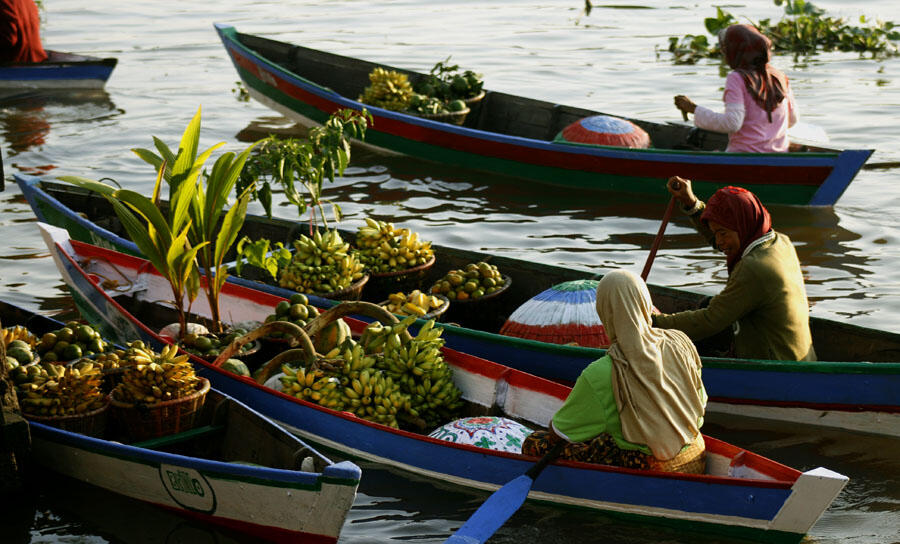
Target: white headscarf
655,372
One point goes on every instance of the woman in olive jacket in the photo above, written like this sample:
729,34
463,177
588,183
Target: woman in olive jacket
764,301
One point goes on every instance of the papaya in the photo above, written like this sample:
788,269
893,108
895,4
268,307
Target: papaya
236,366
332,336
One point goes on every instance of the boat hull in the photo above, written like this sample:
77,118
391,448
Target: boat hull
857,396
63,71
817,179
743,494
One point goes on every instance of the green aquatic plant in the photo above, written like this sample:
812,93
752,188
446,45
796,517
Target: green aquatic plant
805,29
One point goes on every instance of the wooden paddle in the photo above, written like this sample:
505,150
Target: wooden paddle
502,504
662,228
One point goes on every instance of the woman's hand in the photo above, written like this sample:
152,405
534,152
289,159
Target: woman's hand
680,188
685,104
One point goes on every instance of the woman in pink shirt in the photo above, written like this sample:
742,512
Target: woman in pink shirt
759,104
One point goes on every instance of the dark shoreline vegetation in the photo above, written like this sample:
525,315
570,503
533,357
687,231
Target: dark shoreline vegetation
803,30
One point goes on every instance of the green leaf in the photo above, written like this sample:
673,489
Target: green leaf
89,184
149,211
187,149
137,231
231,226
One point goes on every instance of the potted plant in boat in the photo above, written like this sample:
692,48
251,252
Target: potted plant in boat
197,229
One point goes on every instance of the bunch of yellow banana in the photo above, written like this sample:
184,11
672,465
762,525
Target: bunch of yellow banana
321,264
313,386
8,334
388,89
415,303
384,248
156,377
111,359
58,390
418,366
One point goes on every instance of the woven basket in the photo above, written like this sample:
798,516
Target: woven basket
507,281
454,117
142,422
479,313
91,423
384,283
353,292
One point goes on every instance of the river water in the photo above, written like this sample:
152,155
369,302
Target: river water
171,63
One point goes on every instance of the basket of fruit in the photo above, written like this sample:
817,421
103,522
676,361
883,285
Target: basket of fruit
324,265
436,109
469,289
66,397
209,346
396,258
458,90
417,303
160,395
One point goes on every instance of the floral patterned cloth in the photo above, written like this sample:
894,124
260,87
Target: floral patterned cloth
493,433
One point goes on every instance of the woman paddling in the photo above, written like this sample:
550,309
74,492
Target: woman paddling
759,104
764,301
641,405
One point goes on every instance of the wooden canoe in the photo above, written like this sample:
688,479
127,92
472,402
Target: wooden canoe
236,468
741,493
61,71
513,135
855,385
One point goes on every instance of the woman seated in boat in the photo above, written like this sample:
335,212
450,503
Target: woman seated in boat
764,300
641,405
20,27
759,104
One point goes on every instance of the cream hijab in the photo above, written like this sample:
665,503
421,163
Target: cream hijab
655,372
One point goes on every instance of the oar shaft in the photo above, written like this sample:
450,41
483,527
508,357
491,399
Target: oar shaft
656,242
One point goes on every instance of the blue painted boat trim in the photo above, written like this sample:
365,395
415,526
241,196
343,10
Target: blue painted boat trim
845,168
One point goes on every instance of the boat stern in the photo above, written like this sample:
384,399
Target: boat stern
811,495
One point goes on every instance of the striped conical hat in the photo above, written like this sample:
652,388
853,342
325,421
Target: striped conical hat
564,314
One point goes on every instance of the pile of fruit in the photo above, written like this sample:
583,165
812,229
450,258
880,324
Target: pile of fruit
473,282
156,377
447,82
383,248
209,346
321,264
73,341
296,310
418,366
421,104
58,390
20,346
386,376
415,303
388,89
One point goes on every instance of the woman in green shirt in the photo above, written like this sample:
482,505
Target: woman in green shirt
640,406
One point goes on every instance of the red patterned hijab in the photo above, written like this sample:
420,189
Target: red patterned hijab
739,210
748,52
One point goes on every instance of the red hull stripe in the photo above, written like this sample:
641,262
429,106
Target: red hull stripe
270,534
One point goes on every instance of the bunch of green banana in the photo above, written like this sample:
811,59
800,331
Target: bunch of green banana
419,368
473,282
58,390
155,377
388,89
374,396
321,264
384,248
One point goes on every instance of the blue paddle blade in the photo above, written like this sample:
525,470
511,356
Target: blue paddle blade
493,513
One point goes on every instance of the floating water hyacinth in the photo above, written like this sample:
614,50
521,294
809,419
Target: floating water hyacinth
564,314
